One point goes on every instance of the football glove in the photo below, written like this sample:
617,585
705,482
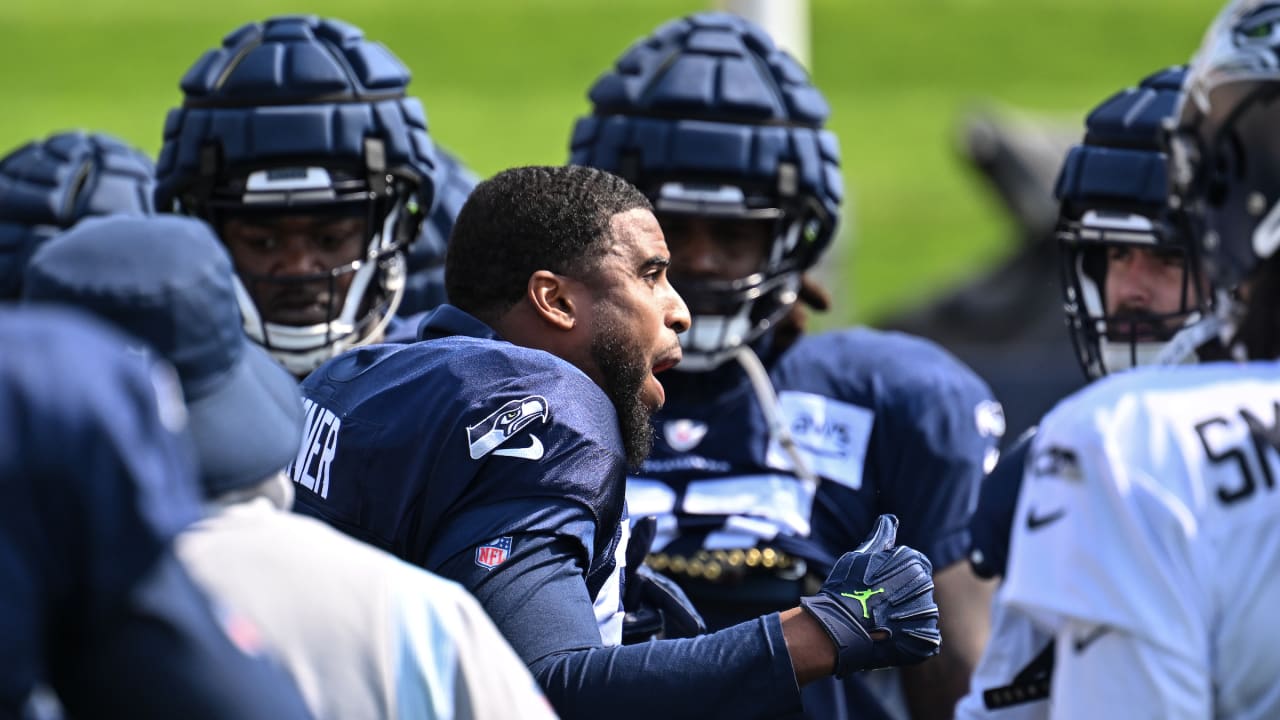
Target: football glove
655,605
877,604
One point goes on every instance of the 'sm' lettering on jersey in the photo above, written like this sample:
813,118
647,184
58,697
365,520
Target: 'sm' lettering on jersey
1145,541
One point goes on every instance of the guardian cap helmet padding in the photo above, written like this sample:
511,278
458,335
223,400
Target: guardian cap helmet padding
301,115
708,117
47,186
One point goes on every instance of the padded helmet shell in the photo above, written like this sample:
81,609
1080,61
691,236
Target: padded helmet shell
48,185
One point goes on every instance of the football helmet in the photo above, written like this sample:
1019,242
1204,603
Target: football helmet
48,185
1225,151
710,119
303,116
1113,192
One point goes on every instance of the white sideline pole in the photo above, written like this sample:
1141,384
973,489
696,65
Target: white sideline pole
786,20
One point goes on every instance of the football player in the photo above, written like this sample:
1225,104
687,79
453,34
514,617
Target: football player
297,143
48,185
1145,535
494,452
1133,296
773,453
363,634
97,479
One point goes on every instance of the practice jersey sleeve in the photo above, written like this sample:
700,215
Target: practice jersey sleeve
992,520
940,430
1102,535
452,660
538,599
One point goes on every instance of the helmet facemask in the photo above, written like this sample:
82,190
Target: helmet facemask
297,117
358,296
1111,339
728,313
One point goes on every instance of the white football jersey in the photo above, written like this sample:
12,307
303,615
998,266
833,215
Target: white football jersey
1147,541
999,688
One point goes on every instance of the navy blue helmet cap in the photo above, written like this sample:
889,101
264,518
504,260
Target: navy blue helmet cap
48,185
710,97
302,115
1121,162
294,91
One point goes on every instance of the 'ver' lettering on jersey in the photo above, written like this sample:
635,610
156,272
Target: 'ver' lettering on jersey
310,468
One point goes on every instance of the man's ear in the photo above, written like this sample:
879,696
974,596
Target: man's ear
554,298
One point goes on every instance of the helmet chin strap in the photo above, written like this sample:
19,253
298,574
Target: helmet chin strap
773,418
1178,350
1181,348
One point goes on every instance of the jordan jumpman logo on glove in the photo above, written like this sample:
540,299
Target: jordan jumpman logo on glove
877,604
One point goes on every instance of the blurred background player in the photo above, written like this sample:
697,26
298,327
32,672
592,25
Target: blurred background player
363,634
775,452
297,143
47,185
97,479
424,284
1135,294
1145,538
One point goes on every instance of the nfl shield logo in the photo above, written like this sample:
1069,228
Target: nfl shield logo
492,554
684,435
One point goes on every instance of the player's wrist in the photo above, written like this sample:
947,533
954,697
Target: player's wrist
852,646
813,652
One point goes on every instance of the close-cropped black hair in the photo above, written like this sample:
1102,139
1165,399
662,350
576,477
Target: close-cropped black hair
527,219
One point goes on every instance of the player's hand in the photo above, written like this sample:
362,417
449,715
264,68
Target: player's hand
877,604
656,608
655,605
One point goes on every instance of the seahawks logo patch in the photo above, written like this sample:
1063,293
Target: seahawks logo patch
490,433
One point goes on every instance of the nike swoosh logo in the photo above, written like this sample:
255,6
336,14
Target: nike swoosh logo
1035,522
1083,642
532,452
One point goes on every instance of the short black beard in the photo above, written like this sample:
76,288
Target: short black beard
624,373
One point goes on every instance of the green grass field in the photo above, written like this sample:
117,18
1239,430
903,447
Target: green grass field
503,80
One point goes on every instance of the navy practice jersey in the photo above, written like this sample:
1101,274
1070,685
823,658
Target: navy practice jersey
403,329
502,467
888,422
96,478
